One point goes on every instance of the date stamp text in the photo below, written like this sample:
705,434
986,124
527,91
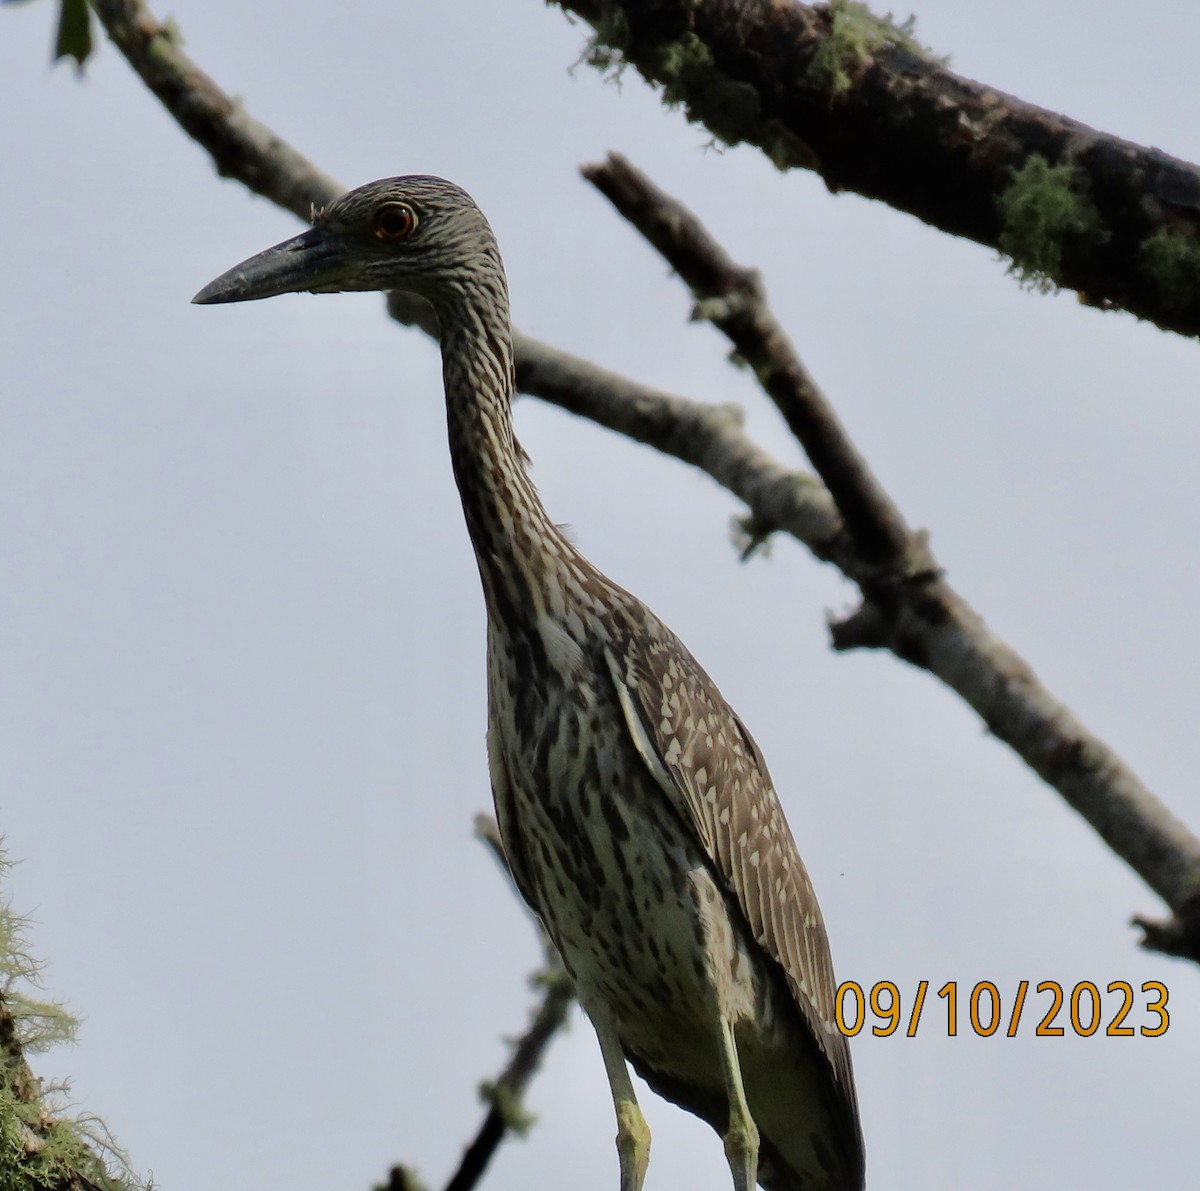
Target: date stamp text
1049,1009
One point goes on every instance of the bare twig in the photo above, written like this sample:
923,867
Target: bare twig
506,1094
834,89
908,607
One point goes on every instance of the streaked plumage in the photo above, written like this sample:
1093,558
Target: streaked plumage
636,810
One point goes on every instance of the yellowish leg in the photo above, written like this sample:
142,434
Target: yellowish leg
741,1138
633,1134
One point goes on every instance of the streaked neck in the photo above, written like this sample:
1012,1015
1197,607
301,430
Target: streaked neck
520,551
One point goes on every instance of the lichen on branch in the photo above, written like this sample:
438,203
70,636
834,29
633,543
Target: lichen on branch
1044,211
1171,260
855,33
42,1146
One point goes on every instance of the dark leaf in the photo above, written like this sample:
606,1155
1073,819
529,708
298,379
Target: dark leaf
74,38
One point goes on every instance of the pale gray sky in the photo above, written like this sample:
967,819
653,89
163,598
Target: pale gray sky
242,684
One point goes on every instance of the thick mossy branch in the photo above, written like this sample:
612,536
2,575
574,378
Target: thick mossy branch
1043,210
731,110
42,1148
855,98
691,82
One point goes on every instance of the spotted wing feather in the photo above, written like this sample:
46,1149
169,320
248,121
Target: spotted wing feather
708,764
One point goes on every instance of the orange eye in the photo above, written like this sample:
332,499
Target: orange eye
394,222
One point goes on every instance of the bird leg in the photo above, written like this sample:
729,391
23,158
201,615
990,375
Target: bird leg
633,1134
741,1136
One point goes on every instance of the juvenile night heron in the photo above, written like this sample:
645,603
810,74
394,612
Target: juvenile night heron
636,810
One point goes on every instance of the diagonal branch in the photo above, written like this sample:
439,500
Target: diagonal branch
908,607
914,613
733,299
505,1113
240,146
834,89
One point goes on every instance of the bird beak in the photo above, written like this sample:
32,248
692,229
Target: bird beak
311,262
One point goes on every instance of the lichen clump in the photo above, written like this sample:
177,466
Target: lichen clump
42,1147
1042,210
855,34
1172,261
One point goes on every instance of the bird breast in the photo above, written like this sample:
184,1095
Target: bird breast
619,881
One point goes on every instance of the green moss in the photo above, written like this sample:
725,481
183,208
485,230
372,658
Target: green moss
855,34
751,536
400,1178
42,1148
1043,209
508,1104
730,110
38,1153
163,47
29,1025
1172,261
605,49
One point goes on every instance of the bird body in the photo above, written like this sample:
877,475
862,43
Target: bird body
636,811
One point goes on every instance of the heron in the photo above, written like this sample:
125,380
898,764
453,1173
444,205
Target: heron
636,810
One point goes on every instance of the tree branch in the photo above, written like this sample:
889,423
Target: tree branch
834,89
908,607
239,145
506,1094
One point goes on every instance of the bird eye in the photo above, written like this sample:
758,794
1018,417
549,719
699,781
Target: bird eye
393,222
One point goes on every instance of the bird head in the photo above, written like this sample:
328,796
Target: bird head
416,233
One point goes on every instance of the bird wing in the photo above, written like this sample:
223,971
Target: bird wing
709,766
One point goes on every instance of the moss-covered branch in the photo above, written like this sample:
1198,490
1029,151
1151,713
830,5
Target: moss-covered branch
42,1147
836,89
